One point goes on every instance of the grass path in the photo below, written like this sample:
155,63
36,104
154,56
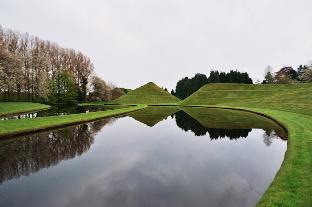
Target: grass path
9,108
292,185
16,127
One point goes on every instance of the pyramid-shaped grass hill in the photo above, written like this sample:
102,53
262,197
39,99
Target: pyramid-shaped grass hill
150,94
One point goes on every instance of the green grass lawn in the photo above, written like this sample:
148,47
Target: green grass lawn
8,108
15,127
291,106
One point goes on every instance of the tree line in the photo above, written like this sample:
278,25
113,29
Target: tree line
186,86
32,69
288,75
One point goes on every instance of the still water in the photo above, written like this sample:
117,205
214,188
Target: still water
145,159
59,111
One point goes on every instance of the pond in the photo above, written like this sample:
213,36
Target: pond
60,111
159,156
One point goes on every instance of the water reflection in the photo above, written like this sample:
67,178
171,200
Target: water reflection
186,122
60,111
133,164
150,116
221,123
28,154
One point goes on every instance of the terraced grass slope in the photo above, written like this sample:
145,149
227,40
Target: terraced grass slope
290,105
150,94
287,97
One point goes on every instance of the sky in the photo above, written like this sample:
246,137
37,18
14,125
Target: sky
132,42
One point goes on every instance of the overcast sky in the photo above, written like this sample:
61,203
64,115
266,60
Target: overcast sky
132,42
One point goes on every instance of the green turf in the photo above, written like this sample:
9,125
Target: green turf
290,105
149,94
8,108
15,127
151,115
286,97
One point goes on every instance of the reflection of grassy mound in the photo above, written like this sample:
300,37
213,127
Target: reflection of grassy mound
232,119
149,93
186,122
153,114
291,105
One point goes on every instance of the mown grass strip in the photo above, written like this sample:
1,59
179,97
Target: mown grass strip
17,127
11,108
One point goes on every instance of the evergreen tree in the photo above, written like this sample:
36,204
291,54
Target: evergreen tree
268,78
186,86
214,77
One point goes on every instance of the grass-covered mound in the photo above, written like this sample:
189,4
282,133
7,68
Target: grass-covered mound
150,94
287,97
150,116
290,105
8,108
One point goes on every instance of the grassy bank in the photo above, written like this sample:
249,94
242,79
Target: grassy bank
9,108
291,106
284,97
16,127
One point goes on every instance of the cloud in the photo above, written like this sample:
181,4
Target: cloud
135,41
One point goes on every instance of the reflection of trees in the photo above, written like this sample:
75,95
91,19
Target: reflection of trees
269,136
186,122
231,133
26,155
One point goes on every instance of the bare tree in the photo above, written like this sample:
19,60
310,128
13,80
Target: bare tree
117,92
306,74
28,64
100,90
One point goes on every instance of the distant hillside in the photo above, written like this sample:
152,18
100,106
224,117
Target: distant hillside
274,96
149,93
